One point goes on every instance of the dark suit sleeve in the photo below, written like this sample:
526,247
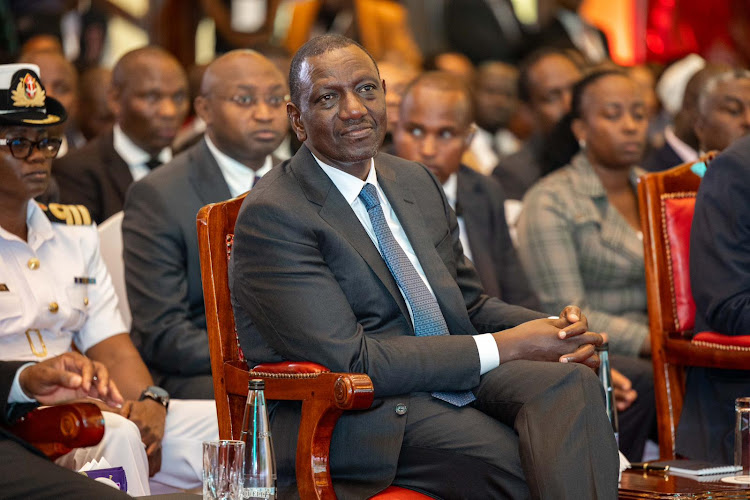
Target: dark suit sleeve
157,285
78,184
9,412
720,245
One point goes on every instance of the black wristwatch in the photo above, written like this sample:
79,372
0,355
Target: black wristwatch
157,394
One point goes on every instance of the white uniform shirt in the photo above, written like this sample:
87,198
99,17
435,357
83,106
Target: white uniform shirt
54,289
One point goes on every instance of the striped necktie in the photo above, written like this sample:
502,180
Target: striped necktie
428,319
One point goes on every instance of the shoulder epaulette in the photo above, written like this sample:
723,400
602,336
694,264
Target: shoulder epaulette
72,215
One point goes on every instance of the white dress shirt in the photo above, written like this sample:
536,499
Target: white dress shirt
451,192
685,152
585,37
350,186
239,177
133,155
485,147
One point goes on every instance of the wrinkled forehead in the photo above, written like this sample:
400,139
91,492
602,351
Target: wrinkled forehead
337,67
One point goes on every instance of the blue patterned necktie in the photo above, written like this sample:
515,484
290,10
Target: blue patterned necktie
428,319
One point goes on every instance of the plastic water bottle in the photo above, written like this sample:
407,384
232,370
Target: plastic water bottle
260,462
605,375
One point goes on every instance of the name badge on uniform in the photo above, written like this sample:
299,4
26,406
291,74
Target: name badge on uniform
84,280
4,287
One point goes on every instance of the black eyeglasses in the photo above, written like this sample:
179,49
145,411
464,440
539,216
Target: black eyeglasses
21,147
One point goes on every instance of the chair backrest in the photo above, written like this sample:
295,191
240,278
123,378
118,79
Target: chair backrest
110,241
215,234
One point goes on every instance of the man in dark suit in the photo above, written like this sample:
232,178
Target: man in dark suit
242,101
545,84
26,473
720,279
435,129
150,99
457,414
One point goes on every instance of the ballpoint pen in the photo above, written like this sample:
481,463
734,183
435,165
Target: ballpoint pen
646,466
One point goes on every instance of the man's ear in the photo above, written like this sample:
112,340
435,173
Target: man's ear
383,82
295,119
113,99
470,136
202,109
699,127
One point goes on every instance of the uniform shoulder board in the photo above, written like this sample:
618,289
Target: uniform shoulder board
72,215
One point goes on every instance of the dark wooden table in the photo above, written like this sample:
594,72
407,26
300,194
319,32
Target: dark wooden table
638,485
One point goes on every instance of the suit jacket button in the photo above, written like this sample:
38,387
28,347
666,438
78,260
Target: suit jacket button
401,409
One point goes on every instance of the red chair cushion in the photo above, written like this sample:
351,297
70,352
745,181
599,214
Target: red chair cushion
291,367
678,217
396,493
739,341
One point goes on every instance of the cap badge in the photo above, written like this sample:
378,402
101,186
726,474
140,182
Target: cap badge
28,93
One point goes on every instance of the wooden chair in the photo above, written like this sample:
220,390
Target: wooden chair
56,430
667,201
324,395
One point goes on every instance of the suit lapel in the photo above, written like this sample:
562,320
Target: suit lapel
410,216
115,167
206,176
334,209
477,221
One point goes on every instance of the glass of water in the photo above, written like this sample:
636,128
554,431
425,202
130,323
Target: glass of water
223,469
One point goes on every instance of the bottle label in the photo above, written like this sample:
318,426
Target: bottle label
265,493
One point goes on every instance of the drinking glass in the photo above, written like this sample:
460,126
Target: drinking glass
223,469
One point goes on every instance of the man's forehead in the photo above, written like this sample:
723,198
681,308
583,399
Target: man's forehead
329,64
424,103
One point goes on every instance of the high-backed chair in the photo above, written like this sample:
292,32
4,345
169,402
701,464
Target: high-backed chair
324,395
56,430
667,202
110,244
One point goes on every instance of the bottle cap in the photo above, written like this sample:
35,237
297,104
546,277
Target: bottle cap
257,384
603,347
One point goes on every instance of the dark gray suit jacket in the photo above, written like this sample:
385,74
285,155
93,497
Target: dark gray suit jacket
94,176
162,268
305,271
480,201
720,279
662,159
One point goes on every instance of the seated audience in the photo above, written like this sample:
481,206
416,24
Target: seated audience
680,142
720,280
435,129
545,81
351,258
243,103
495,101
579,232
57,293
95,116
26,473
396,77
723,110
149,98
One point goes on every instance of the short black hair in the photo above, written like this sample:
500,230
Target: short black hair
315,47
579,89
442,80
524,82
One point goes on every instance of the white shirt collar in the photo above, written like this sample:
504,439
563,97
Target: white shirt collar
131,153
239,177
39,226
450,188
348,184
685,152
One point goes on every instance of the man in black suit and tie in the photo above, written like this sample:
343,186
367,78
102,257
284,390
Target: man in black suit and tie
26,473
243,98
149,96
352,259
720,279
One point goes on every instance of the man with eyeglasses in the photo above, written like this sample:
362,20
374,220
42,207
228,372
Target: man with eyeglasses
243,102
149,96
55,292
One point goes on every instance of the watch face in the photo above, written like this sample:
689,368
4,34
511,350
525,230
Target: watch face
159,392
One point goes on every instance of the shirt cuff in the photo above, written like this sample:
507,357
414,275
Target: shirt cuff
489,356
16,393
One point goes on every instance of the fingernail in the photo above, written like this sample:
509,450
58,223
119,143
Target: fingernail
562,334
564,360
574,317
